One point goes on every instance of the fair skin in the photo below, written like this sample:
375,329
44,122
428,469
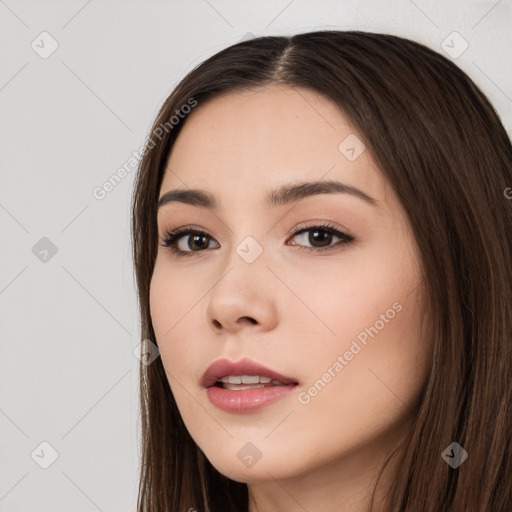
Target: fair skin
291,310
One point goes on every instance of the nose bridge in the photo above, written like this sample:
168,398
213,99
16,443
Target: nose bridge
246,260
247,239
249,249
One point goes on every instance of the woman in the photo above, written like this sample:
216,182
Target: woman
322,251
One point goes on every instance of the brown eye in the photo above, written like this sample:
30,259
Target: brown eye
321,237
197,241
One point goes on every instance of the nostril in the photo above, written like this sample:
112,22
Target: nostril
248,319
243,319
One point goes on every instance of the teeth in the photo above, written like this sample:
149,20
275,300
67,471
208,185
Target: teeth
243,387
249,379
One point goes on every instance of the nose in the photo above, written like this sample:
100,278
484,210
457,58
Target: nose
244,298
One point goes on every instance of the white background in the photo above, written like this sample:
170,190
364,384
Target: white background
68,122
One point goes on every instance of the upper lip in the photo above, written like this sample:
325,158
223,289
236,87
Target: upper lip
225,367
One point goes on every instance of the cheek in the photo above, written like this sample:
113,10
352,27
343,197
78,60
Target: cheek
161,303
345,305
385,355
375,311
174,311
378,296
166,309
373,391
171,298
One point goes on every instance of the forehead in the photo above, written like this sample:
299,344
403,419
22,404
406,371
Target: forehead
243,143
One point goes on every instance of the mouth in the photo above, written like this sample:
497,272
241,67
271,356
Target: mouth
242,375
245,386
244,382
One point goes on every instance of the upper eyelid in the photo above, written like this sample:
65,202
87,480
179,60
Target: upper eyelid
318,224
323,225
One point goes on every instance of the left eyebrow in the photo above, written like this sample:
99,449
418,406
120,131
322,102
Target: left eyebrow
281,196
297,191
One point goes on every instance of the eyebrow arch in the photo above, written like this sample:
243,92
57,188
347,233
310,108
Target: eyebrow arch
281,196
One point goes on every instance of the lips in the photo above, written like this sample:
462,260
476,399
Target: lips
231,386
225,368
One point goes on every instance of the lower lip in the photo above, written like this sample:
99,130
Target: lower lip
249,400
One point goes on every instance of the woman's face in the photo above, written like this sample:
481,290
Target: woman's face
343,323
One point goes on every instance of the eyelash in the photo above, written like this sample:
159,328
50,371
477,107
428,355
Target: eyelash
169,240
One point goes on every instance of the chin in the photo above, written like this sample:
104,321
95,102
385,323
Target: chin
252,475
265,469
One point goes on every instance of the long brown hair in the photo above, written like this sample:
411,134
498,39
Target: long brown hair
443,149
